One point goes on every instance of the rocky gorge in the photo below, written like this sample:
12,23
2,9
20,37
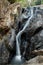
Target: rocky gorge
21,34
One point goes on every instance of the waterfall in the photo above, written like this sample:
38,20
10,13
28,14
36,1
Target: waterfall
17,59
19,34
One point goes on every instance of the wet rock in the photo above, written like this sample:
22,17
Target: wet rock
32,36
4,54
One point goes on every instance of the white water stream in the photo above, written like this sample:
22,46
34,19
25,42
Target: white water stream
19,34
17,59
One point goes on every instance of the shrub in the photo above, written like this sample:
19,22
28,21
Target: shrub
38,2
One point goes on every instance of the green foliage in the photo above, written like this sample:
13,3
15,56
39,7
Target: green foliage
41,1
23,2
32,3
38,2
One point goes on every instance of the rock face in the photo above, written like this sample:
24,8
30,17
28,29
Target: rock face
3,6
9,15
4,54
38,60
8,19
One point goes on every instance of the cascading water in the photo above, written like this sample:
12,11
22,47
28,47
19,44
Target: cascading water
17,59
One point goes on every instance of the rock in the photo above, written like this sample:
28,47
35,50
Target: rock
10,16
3,7
38,52
4,54
38,60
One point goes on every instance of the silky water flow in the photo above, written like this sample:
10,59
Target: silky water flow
18,58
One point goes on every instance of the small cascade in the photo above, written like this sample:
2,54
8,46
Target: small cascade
17,59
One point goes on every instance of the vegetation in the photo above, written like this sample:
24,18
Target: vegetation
26,3
41,1
38,2
23,2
